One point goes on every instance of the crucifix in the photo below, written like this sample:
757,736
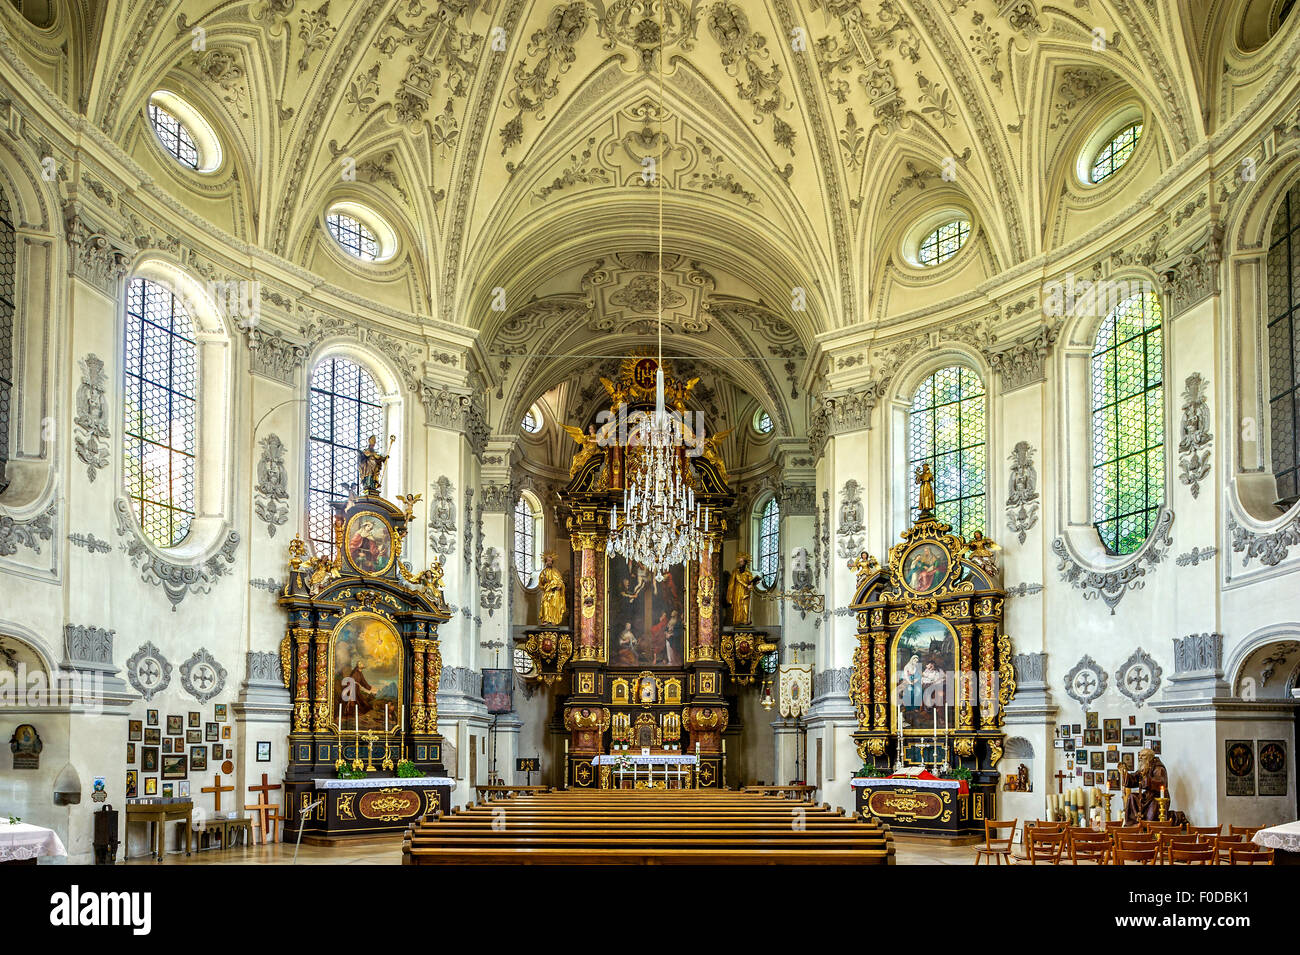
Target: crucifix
217,789
1060,780
263,807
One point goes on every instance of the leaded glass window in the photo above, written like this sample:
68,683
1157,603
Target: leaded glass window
1116,152
527,519
769,543
174,136
946,430
943,243
1128,423
161,372
353,235
343,411
1284,345
8,252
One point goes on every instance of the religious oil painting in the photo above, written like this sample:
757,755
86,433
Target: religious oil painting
925,567
1111,728
175,724
367,662
647,618
1132,736
924,671
174,767
369,543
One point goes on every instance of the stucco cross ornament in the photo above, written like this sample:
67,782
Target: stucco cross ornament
1085,683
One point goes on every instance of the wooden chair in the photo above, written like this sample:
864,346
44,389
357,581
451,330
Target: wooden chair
1224,844
1135,856
1167,843
1159,827
1203,854
995,847
1143,840
1247,831
1090,846
1210,831
1250,857
1045,847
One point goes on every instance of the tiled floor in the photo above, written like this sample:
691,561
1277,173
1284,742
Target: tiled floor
383,854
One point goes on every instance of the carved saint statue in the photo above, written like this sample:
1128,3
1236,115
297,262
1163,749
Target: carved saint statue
370,466
739,591
551,585
1151,780
925,480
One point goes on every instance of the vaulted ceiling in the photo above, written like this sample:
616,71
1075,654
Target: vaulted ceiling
793,141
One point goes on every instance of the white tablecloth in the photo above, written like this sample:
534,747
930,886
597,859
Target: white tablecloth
861,781
23,841
661,759
1285,837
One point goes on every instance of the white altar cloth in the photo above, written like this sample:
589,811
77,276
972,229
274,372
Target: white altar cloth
661,759
22,841
383,782
1285,837
858,782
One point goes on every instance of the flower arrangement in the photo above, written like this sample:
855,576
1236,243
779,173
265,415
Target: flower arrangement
873,771
345,771
407,769
956,772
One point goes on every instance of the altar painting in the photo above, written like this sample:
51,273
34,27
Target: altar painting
367,663
369,543
925,567
647,619
925,672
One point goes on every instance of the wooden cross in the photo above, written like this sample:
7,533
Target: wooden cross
264,789
1060,781
217,789
263,807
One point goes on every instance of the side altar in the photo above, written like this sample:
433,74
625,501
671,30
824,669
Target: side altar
931,677
645,663
360,657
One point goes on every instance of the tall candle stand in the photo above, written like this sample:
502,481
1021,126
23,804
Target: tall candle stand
1162,806
357,764
387,764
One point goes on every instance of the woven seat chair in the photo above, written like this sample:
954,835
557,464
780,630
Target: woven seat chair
996,848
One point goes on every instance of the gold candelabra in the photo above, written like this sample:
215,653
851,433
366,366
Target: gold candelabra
387,764
370,749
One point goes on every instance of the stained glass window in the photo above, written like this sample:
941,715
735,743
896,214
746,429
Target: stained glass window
174,136
343,411
8,251
1128,423
527,518
769,543
1284,345
1116,152
946,431
161,371
762,422
353,235
944,242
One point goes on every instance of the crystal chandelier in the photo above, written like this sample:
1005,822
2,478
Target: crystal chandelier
662,525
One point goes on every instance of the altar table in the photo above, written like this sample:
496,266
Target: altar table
368,806
947,807
655,771
23,844
1284,840
158,814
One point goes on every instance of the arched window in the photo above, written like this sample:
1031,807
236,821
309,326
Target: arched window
8,253
532,422
1284,346
945,429
528,534
768,551
1115,152
1128,423
762,422
161,372
174,135
343,411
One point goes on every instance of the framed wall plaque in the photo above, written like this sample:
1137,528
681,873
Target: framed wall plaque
1239,761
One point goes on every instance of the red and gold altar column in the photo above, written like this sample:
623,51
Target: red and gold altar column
988,698
418,717
302,680
432,677
707,604
321,706
880,681
589,642
965,685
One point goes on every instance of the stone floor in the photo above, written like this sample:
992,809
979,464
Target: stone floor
385,854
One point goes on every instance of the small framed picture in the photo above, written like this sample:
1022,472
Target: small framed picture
183,787
1128,760
211,731
1065,730
1092,736
230,753
1111,728
194,721
198,758
175,724
149,759
1155,746
1075,729
167,744
1112,779
132,783
1092,719
1132,720
1112,757
1149,730
1096,759
217,750
152,735
1090,779
134,730
167,790
1132,736
151,717
225,732
264,751
1059,743
174,767
1081,756
1078,770
130,754
151,785
219,712
1078,741
194,736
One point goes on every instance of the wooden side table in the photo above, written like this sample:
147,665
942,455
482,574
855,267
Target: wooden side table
158,815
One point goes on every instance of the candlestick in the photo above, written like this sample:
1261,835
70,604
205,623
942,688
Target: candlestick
385,719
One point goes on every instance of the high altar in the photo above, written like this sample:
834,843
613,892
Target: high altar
931,677
360,657
644,664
